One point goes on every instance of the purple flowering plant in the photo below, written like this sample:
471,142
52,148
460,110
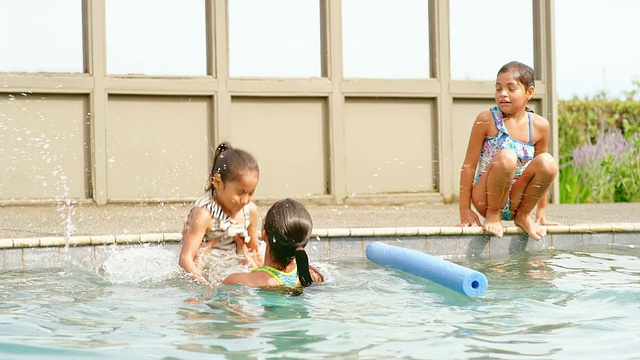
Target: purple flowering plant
607,170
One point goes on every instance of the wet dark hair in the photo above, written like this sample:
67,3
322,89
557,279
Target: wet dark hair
229,162
522,73
288,226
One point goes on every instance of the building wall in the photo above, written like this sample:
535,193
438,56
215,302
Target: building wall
93,136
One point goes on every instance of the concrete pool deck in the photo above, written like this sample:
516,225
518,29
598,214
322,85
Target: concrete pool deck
30,233
27,221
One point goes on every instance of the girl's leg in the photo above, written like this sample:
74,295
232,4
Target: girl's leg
490,193
529,189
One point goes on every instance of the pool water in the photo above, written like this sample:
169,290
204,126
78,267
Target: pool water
137,305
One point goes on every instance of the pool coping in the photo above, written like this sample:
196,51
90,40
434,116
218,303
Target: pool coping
329,233
449,242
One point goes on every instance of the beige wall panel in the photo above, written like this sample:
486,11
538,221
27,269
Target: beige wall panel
288,137
390,145
43,147
464,114
157,147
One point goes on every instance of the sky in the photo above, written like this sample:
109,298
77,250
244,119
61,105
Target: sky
595,46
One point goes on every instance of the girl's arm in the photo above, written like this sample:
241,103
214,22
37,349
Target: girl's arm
478,133
253,228
543,130
251,251
316,275
197,224
541,146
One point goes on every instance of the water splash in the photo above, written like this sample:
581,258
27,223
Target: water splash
66,209
144,264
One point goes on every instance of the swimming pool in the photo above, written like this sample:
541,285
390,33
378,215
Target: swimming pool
135,304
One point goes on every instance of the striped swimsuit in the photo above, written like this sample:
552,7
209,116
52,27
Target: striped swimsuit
222,226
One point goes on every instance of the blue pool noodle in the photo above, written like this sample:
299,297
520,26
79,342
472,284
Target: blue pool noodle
456,277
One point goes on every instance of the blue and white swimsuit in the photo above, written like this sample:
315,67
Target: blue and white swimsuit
502,140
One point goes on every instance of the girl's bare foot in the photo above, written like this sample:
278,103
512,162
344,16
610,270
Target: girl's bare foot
493,223
535,231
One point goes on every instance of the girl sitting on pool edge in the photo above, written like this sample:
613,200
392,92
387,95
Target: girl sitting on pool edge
286,231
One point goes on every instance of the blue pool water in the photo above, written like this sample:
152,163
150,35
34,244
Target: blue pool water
136,305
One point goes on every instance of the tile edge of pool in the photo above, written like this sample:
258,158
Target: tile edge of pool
337,243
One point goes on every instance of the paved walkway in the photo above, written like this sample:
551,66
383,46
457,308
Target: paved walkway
84,219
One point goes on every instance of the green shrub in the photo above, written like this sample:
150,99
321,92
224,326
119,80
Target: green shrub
581,121
599,150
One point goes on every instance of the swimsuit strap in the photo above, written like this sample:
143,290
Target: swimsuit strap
283,278
498,118
247,216
223,226
530,129
216,211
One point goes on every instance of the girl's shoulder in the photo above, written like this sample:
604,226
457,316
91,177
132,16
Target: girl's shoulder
540,122
253,278
198,221
538,118
484,117
541,128
199,213
485,123
202,208
209,204
203,201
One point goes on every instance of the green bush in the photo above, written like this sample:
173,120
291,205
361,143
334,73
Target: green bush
581,121
599,150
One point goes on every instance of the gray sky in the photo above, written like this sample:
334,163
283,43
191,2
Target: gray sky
594,39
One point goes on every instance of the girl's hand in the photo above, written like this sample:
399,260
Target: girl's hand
196,278
252,259
469,218
257,258
196,226
199,279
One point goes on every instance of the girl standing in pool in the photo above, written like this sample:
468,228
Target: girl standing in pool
507,170
286,231
225,219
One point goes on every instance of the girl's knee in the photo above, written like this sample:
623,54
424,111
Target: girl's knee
546,163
